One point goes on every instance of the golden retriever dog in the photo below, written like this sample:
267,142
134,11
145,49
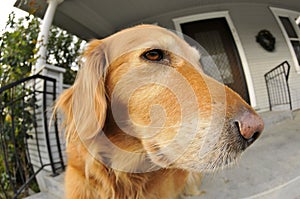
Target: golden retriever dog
142,119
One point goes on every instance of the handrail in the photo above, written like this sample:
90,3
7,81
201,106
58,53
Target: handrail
22,94
26,79
277,85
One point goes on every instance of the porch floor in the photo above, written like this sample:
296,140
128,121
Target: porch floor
269,169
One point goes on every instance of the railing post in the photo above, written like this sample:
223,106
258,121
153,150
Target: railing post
269,97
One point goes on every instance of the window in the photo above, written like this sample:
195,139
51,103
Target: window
289,22
292,35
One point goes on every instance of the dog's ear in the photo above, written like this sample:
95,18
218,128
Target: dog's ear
84,104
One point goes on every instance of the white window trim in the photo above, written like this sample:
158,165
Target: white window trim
287,13
178,21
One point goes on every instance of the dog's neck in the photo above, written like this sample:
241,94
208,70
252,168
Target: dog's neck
104,182
120,184
142,185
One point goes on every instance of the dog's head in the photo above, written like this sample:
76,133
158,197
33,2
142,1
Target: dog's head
141,98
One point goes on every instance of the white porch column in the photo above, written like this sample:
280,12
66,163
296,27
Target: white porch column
44,34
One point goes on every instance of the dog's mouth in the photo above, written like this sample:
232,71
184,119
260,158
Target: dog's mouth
228,149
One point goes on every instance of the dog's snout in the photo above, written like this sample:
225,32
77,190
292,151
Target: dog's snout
249,125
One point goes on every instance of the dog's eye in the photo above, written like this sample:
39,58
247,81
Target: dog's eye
154,55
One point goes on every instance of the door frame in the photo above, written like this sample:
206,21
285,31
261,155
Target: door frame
225,14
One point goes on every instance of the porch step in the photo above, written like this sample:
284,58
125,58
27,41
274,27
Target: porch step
55,188
42,195
55,185
273,117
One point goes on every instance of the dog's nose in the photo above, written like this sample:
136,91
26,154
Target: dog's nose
250,125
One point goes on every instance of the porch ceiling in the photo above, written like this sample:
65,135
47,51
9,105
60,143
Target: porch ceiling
96,19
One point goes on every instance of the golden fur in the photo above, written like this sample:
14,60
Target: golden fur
140,129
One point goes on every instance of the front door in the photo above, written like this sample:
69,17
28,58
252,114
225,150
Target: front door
215,36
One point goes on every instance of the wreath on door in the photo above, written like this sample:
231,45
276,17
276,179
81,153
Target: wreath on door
266,40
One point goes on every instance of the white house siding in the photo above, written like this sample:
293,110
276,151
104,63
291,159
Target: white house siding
249,19
253,19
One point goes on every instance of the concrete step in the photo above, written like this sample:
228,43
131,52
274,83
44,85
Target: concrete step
55,188
55,185
42,195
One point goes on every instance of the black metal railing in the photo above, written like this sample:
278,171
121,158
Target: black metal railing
26,146
278,86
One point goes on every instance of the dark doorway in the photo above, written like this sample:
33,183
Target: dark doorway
215,36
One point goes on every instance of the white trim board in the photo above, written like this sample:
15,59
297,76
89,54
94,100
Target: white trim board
178,21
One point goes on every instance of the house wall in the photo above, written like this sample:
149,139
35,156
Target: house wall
248,20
